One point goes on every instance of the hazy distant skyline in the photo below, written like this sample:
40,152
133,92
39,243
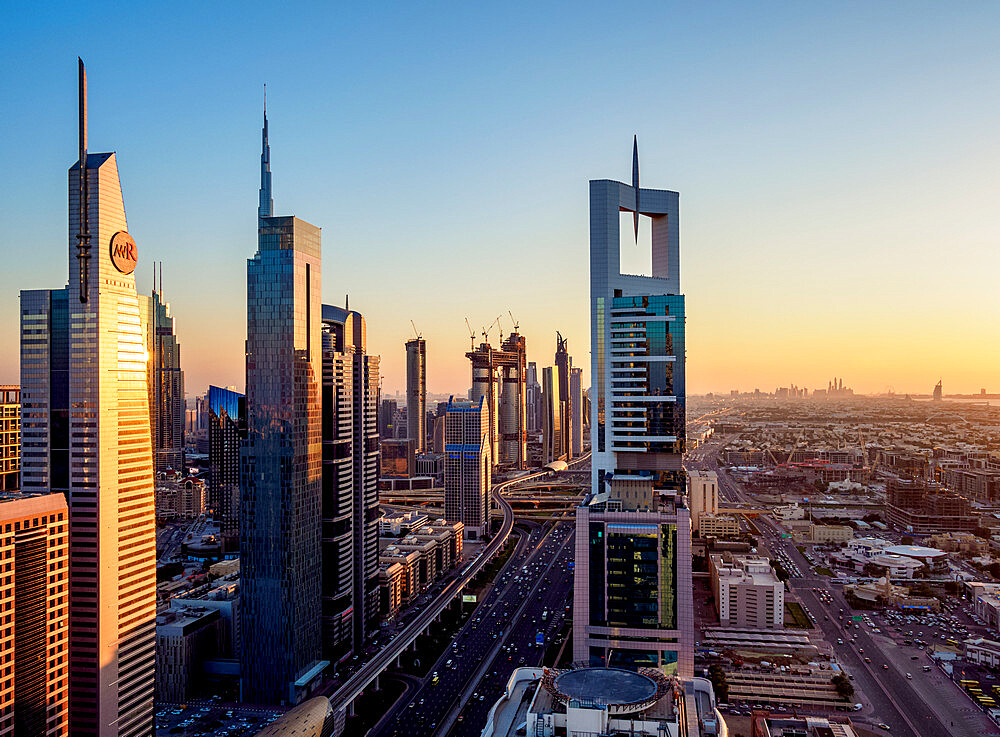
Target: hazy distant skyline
836,163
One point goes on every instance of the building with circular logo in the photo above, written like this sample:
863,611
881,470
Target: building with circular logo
123,252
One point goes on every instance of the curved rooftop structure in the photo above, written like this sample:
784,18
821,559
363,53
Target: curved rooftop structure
308,719
915,551
619,691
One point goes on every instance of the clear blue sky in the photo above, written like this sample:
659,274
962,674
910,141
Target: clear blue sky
837,165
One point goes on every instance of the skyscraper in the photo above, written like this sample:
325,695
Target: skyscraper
552,417
416,393
166,382
563,363
227,425
281,460
350,483
34,686
533,399
83,376
576,411
467,465
633,603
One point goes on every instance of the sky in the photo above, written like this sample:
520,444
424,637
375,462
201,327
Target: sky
837,164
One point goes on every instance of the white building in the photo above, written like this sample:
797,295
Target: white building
544,702
703,496
983,652
747,592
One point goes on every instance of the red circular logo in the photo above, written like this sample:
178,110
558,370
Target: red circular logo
123,252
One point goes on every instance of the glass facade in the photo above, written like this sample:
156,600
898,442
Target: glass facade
281,465
166,383
227,424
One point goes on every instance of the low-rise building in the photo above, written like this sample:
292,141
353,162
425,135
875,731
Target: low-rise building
805,531
768,725
400,524
423,556
982,652
986,601
179,498
747,592
185,639
799,686
718,525
544,702
390,585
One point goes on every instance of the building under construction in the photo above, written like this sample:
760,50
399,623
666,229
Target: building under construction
499,377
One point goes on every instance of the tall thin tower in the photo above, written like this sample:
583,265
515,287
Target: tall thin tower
416,393
92,388
281,460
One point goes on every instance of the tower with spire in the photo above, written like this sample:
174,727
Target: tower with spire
265,207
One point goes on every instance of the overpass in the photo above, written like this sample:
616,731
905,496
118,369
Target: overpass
343,698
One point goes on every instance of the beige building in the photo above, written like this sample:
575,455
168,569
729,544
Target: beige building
180,498
34,683
958,542
718,525
804,531
10,437
390,583
703,497
747,592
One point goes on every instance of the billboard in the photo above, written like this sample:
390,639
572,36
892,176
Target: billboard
468,598
539,639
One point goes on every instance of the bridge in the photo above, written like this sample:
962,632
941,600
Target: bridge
343,698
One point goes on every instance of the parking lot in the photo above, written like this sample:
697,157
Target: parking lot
211,718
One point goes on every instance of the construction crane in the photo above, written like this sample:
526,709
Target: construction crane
516,326
472,335
415,331
499,329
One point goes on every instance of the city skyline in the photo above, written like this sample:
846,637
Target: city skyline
806,184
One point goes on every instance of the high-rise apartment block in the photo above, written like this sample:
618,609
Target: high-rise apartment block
227,425
34,683
166,382
467,465
10,437
498,377
281,461
533,399
83,377
632,593
416,393
350,483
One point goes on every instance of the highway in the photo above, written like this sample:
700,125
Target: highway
365,675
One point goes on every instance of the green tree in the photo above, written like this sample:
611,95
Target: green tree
845,689
718,678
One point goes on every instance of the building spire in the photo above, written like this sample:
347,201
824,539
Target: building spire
635,184
265,207
83,235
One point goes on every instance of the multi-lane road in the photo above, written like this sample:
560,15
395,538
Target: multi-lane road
497,638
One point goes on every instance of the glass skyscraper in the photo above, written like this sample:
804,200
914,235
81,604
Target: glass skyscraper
227,424
633,602
86,433
281,462
166,382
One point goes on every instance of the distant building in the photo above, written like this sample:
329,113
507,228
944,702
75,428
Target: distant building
179,498
165,381
468,465
564,364
718,526
553,420
498,377
227,426
576,413
416,393
398,458
921,508
703,496
401,524
10,437
34,686
747,592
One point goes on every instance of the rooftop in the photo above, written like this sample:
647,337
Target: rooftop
605,686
